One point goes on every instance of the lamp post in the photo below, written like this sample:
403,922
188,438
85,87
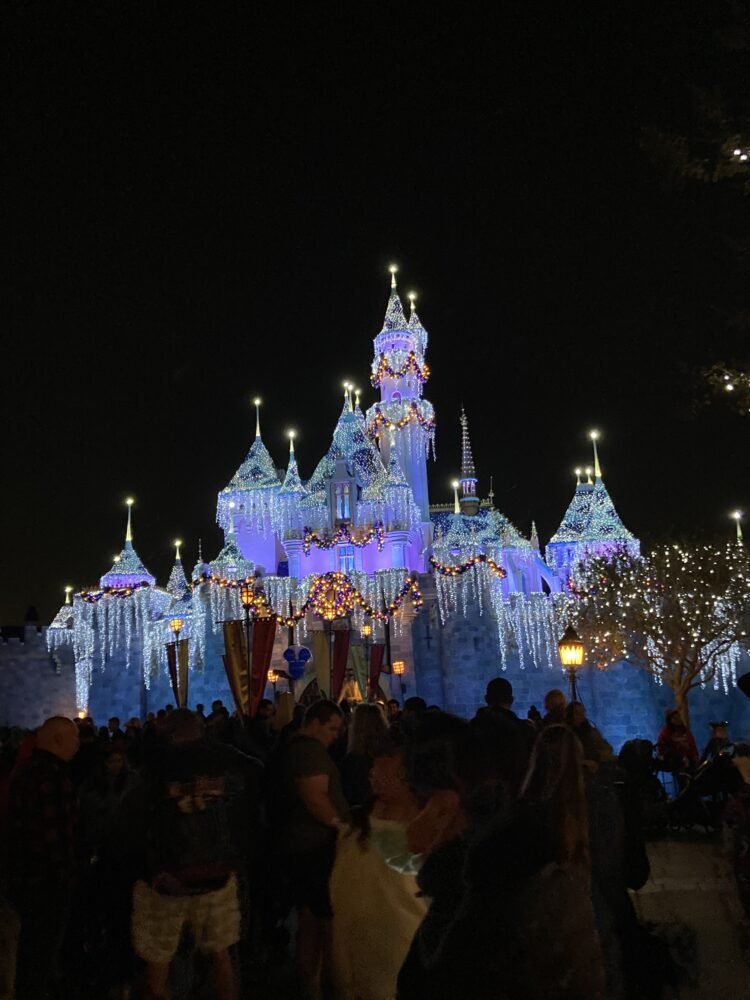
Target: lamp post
247,599
366,633
273,676
571,652
175,625
399,668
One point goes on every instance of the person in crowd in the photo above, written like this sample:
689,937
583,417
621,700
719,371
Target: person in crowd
719,742
315,810
200,711
100,796
554,708
86,760
191,820
393,710
675,746
596,750
373,885
507,740
113,729
42,855
367,736
741,761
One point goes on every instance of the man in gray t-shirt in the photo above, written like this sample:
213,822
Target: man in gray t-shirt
316,808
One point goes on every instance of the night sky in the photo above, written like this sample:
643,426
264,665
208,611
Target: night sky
200,205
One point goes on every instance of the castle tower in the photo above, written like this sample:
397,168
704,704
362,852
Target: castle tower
127,570
469,500
399,371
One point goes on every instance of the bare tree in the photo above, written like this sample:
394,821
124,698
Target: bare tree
681,613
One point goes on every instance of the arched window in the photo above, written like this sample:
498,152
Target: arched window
342,494
346,559
395,396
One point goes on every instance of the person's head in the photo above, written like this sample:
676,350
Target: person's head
388,777
393,709
216,705
151,717
555,781
161,715
555,702
58,736
323,721
114,724
674,721
368,730
266,709
169,708
414,706
183,726
115,763
499,693
199,708
575,714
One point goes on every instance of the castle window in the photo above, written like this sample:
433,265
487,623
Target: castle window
343,502
396,396
346,559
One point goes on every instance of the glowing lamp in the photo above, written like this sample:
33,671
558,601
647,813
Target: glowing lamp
366,630
398,668
571,649
176,624
247,596
273,676
81,713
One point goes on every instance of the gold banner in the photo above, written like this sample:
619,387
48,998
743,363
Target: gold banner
235,663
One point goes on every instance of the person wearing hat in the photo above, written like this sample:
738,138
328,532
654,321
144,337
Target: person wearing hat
719,743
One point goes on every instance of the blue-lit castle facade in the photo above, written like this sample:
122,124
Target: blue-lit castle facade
456,592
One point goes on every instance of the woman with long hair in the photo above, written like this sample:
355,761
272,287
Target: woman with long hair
368,736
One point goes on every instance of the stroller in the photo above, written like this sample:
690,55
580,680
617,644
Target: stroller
705,794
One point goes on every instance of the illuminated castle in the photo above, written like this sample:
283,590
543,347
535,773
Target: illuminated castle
358,546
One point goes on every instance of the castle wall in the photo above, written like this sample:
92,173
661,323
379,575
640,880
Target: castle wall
34,684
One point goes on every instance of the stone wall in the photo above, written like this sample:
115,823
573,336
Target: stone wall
33,683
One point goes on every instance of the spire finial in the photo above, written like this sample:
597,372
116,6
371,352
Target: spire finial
393,268
68,592
357,394
589,480
200,550
177,545
291,435
456,505
412,300
468,472
737,517
129,530
491,494
594,435
578,476
256,404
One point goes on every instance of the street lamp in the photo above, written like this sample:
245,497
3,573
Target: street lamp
247,599
175,625
399,668
273,676
571,652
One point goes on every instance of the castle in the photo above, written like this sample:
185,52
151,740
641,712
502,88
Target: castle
357,547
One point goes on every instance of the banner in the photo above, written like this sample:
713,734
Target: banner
235,664
322,660
183,650
172,668
262,635
359,667
377,651
340,654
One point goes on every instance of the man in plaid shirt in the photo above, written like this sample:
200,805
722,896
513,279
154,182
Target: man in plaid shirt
42,859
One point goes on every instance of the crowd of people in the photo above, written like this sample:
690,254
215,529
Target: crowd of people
388,852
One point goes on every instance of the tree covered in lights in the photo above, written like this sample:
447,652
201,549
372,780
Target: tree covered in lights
680,612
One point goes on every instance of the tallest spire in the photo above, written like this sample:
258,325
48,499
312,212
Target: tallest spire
394,312
469,500
129,529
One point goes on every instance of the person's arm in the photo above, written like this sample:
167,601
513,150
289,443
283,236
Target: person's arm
313,790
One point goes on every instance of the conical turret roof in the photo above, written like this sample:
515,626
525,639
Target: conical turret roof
257,471
604,523
127,570
416,329
576,516
394,312
178,585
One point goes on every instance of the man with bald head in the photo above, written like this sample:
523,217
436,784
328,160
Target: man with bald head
42,812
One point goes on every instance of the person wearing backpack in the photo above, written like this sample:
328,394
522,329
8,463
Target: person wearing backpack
198,812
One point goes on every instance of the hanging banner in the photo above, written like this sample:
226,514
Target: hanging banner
235,664
322,661
377,652
340,654
358,665
183,651
172,668
262,635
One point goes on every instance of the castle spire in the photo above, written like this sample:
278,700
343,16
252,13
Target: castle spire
737,516
256,404
534,539
177,585
129,530
394,312
456,504
594,435
578,475
469,499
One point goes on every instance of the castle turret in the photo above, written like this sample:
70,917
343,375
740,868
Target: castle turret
127,569
177,585
400,371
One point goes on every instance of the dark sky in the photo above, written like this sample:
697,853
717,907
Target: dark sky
200,206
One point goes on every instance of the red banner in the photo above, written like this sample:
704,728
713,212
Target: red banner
235,663
262,636
340,656
377,652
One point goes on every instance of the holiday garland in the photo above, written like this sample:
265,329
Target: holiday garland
451,569
385,370
93,596
343,534
380,420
